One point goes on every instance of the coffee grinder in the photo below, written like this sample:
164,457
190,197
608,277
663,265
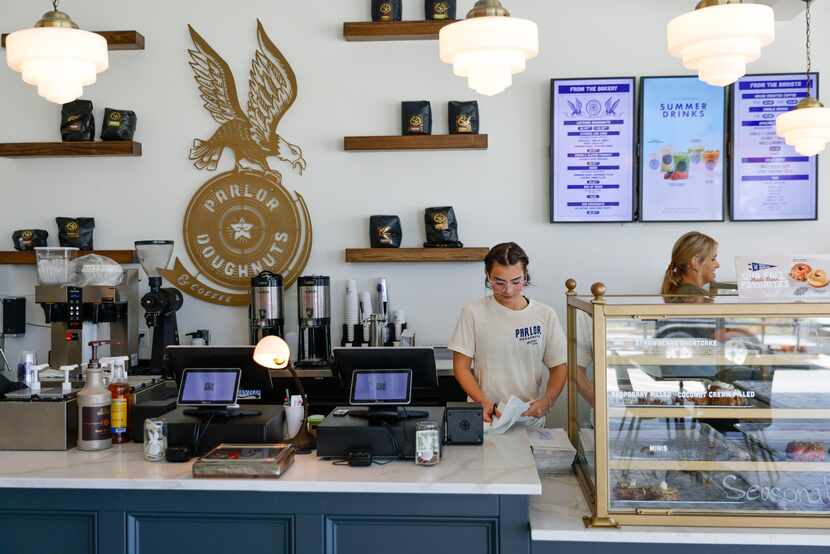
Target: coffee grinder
314,314
160,304
267,311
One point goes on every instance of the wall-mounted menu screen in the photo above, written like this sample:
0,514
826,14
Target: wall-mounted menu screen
770,180
682,149
592,150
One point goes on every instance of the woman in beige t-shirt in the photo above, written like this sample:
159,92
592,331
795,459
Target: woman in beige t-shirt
516,343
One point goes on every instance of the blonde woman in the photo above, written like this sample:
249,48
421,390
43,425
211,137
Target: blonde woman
694,263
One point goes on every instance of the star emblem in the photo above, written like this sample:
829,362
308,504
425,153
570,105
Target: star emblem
242,229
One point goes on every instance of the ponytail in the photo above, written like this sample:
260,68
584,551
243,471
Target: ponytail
672,279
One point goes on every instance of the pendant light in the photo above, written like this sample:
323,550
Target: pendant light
57,57
720,37
807,127
489,47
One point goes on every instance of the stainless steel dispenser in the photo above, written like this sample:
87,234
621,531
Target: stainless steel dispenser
77,313
267,312
314,314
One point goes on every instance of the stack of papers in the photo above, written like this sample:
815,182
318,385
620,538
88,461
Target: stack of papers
553,452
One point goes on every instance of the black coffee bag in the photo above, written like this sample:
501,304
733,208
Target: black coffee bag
76,231
385,231
416,118
118,124
463,118
439,9
386,10
29,239
442,228
77,121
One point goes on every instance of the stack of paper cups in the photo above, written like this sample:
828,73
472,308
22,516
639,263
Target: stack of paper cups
352,314
365,305
382,289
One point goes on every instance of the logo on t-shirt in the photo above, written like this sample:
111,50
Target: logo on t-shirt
530,335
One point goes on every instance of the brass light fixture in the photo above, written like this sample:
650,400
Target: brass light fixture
720,37
57,57
807,127
489,47
273,352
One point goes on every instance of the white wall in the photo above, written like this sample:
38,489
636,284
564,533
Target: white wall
355,89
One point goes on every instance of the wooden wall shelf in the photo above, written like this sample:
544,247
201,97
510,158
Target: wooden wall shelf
117,40
13,257
406,255
393,30
69,149
416,142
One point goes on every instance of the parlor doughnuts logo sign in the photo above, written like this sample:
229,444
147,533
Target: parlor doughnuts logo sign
244,221
240,224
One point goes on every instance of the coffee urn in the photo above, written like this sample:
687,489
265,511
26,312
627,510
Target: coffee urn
314,314
267,311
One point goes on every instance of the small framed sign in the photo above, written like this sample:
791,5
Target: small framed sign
682,150
592,152
770,180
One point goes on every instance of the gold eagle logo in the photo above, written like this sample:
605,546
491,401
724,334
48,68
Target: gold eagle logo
253,137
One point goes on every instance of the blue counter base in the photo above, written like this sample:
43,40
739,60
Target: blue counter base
37,521
186,522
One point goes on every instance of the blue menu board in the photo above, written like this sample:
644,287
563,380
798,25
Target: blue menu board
682,150
770,180
592,150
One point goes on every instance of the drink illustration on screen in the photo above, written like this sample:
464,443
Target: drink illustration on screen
683,133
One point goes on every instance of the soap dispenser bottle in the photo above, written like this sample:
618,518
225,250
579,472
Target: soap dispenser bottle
95,406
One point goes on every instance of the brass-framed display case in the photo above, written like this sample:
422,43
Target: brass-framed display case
700,411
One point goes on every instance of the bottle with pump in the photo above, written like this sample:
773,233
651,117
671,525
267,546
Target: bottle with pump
34,379
120,391
95,406
66,386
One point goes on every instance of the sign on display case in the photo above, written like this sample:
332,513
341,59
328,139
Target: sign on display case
682,150
795,277
592,167
770,180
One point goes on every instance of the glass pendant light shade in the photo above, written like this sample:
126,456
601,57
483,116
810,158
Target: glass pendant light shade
806,128
718,39
57,57
489,49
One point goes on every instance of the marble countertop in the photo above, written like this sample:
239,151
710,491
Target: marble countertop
503,465
557,516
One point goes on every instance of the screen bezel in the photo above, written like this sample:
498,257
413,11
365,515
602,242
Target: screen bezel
354,402
237,371
634,151
733,113
641,153
420,359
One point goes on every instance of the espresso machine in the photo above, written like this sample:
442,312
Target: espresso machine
78,315
160,304
314,314
267,311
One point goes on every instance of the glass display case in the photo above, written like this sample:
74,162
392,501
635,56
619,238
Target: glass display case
700,411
